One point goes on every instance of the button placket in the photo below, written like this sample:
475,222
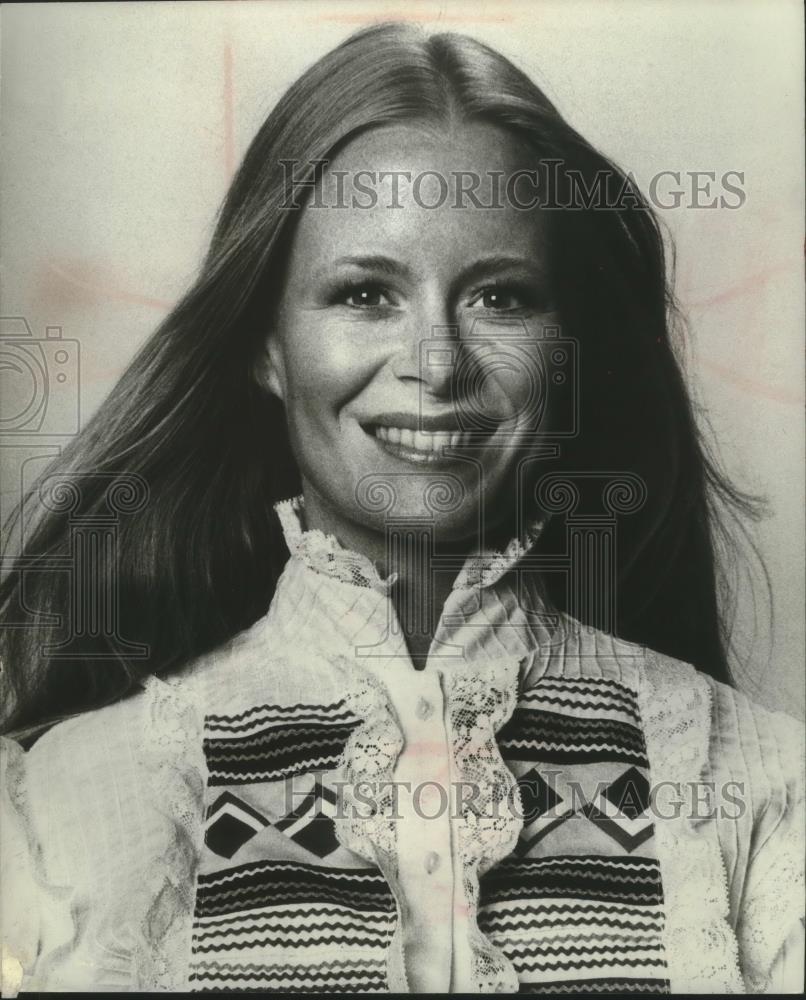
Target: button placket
425,868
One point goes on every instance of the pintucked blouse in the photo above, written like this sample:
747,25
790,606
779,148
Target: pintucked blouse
542,808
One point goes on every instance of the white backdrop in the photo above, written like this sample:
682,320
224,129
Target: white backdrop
122,124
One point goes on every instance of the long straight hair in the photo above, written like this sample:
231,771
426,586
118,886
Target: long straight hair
198,561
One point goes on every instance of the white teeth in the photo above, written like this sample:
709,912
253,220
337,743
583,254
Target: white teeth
423,441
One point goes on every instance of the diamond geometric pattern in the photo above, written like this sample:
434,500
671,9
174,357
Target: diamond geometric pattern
629,793
231,822
311,823
577,752
618,809
537,797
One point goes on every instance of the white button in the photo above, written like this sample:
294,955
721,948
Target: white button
424,709
432,860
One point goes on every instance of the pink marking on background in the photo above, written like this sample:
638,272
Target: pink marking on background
415,16
229,114
751,385
62,284
746,382
749,284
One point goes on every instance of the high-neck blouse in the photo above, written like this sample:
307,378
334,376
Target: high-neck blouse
543,808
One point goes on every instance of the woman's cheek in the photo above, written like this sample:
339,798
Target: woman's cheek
346,359
327,359
502,383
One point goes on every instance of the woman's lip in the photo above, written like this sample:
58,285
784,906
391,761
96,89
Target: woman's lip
421,440
416,447
447,422
412,455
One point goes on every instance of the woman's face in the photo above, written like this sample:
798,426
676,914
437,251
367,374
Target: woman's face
406,342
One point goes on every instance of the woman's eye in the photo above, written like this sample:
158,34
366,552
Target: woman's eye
366,297
501,299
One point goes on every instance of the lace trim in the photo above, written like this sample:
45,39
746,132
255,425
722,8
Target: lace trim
370,755
481,700
701,948
173,752
325,554
487,569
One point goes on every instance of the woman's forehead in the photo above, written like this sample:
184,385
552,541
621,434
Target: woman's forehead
417,162
413,191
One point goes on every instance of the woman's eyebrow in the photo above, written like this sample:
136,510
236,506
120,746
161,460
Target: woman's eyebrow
492,264
377,262
498,263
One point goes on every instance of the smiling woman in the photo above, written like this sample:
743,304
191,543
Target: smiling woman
349,347
419,682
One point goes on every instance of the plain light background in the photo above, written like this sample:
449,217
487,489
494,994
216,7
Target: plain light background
122,125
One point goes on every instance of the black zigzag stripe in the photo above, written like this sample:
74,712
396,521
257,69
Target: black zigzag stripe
306,940
586,862
369,985
537,752
599,687
361,983
272,883
599,986
287,749
551,699
534,721
332,913
561,910
648,873
588,953
283,712
376,923
295,895
279,752
225,776
495,924
317,970
514,880
331,974
582,880
256,869
537,735
521,965
267,721
500,894
265,738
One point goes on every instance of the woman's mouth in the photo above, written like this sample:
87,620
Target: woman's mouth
418,446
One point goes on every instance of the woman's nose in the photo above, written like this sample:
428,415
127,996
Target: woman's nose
428,352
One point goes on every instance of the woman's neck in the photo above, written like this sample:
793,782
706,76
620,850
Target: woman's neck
423,583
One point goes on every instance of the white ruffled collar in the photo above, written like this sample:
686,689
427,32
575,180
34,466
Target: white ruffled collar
324,554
